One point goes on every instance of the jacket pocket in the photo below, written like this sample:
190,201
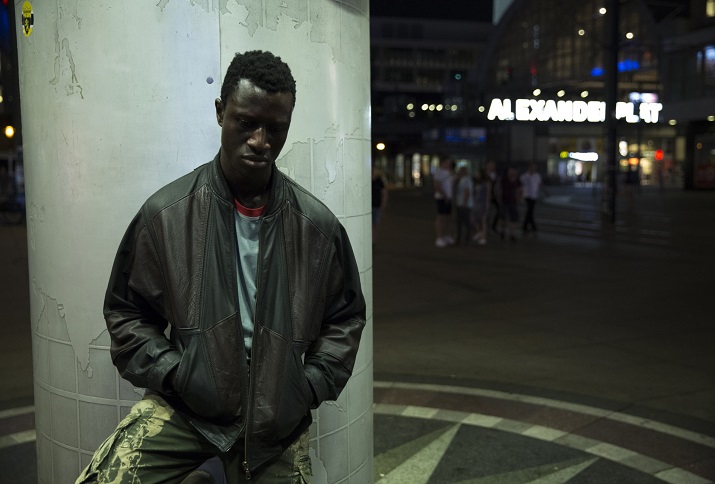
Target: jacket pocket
196,383
296,400
282,395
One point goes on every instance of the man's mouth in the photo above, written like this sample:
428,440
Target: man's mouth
256,159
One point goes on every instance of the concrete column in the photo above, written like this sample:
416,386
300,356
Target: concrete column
117,100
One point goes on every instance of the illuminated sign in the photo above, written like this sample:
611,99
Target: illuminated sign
588,156
569,111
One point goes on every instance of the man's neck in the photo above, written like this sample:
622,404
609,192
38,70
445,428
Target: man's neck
251,197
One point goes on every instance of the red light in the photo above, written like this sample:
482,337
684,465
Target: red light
4,2
658,155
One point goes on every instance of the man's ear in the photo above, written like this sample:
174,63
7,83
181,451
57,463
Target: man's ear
219,111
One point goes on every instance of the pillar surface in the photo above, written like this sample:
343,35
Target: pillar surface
117,100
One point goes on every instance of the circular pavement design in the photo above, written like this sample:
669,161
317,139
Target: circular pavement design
426,433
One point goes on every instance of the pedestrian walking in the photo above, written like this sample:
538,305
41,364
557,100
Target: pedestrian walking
509,193
494,205
464,198
443,189
531,183
379,202
482,202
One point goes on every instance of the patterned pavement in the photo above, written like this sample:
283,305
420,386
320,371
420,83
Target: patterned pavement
580,354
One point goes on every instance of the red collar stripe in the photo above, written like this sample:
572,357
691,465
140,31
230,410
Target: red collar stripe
249,212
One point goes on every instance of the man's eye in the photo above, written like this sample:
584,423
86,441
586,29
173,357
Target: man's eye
277,128
247,123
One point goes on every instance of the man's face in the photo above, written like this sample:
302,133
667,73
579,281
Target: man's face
254,127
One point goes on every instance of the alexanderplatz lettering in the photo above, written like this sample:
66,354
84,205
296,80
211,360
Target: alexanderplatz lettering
570,111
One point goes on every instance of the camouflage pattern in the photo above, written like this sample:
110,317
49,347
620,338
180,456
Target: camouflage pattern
153,444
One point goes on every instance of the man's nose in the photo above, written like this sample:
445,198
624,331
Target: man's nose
259,139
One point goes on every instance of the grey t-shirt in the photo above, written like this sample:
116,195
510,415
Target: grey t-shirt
247,233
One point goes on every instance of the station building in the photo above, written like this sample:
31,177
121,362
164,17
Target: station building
529,86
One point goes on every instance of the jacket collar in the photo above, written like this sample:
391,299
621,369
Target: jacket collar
220,186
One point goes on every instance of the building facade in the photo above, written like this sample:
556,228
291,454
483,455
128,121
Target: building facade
529,85
422,94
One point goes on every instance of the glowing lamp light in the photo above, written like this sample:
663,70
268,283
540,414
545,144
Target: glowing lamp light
658,155
410,107
584,94
380,146
633,161
537,91
602,11
9,131
561,93
711,118
563,155
629,35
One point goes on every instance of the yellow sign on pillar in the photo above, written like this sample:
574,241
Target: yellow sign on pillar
28,19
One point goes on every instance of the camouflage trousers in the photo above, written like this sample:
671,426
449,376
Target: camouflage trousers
153,444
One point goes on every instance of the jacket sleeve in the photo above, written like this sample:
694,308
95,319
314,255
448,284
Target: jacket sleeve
135,312
330,359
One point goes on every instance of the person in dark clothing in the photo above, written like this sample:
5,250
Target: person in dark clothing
509,194
258,284
379,202
493,180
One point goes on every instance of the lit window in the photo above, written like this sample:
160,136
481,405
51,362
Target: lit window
710,8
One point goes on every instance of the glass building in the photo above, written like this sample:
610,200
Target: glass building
529,85
542,84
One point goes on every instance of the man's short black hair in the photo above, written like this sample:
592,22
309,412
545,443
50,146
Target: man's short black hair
263,69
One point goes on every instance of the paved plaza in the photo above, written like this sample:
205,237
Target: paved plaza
582,353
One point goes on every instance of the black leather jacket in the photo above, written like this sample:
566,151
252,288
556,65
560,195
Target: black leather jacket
177,266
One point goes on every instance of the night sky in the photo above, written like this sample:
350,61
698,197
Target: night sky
468,10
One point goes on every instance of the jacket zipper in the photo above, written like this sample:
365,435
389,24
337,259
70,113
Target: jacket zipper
249,399
249,411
